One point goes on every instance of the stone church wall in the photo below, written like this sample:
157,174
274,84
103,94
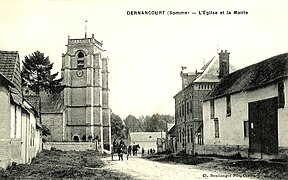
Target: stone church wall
55,123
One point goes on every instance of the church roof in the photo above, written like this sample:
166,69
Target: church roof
10,69
254,76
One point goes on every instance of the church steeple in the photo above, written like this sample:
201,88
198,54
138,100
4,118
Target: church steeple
85,72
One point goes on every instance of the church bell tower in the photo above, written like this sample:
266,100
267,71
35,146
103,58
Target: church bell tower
86,92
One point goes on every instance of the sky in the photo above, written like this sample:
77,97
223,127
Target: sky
146,52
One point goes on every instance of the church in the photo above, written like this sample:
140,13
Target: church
81,111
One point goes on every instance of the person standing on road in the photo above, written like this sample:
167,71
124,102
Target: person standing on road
115,145
129,150
121,143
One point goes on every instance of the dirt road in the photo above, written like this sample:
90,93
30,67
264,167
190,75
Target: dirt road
144,169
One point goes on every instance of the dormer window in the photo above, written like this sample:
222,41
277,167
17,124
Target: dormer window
80,60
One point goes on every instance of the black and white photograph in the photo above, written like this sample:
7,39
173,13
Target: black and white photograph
142,89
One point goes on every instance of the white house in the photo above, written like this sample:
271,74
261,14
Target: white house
247,112
20,138
148,140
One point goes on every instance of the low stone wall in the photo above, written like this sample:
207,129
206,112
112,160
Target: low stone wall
230,150
283,152
222,150
71,146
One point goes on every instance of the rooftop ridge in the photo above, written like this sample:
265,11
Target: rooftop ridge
11,52
253,76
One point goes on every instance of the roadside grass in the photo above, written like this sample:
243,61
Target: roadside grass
257,168
62,165
181,159
238,166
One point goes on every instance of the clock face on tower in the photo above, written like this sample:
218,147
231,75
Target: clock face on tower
79,73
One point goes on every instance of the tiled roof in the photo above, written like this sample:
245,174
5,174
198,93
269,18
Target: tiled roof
172,129
7,63
5,81
253,76
10,68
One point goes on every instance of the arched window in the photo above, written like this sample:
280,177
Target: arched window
80,55
80,60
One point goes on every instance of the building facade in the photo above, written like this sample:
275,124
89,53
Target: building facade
20,133
188,101
171,140
149,140
81,112
246,113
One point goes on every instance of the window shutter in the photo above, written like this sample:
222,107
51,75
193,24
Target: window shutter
281,95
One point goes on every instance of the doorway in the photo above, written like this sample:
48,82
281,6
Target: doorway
76,138
263,126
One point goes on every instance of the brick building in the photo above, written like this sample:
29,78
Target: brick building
188,101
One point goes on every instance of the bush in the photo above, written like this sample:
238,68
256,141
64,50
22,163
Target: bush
236,156
54,149
182,153
168,151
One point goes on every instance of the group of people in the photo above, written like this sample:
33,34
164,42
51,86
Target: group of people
151,151
130,149
133,149
116,144
118,148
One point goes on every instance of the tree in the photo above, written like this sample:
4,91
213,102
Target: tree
133,124
155,124
45,132
117,126
168,118
36,74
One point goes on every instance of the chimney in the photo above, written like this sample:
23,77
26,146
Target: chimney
223,63
184,75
